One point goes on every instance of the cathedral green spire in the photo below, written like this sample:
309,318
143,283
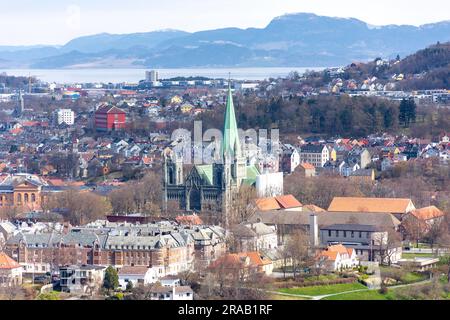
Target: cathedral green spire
230,143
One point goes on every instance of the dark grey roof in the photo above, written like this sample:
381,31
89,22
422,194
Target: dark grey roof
351,227
281,217
312,148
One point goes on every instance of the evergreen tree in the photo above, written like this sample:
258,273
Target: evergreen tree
111,281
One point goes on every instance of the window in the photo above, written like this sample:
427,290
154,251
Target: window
329,233
345,234
353,234
360,234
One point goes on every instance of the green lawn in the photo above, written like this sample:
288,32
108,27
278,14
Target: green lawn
363,295
416,255
411,277
281,297
325,289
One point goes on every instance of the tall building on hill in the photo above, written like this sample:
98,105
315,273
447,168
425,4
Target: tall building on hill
151,76
210,187
20,108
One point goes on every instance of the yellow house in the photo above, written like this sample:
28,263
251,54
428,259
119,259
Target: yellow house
333,154
176,100
186,108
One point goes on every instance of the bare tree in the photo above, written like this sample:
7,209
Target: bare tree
298,248
386,243
242,206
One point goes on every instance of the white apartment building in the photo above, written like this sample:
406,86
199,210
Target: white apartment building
317,155
66,116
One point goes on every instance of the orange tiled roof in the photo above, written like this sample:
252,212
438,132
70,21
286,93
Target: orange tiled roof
427,213
190,219
332,251
266,204
314,208
255,258
280,202
307,166
8,263
331,255
354,204
288,201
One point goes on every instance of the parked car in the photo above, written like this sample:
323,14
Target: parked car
42,279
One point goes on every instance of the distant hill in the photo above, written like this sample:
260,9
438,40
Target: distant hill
294,40
428,68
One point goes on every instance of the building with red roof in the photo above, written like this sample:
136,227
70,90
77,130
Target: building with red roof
337,257
109,118
189,220
10,271
285,202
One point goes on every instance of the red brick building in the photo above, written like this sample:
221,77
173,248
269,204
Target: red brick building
108,118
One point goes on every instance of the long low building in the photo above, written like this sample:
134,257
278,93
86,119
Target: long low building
167,248
395,206
370,234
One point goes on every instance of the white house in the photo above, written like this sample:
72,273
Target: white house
136,275
172,293
337,257
10,271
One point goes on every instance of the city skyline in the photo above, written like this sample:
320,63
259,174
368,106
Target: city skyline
51,23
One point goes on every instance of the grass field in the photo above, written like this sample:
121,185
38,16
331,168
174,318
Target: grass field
416,255
362,295
281,297
323,290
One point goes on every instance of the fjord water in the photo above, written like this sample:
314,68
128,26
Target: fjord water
134,75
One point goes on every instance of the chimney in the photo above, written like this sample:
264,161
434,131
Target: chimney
313,230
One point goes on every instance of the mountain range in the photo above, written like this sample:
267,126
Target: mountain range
293,40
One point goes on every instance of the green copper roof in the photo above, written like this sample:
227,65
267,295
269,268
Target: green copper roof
206,172
230,130
252,173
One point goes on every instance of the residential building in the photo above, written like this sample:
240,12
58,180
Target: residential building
422,220
337,257
10,271
66,116
307,170
151,76
315,154
172,293
290,160
254,237
84,279
137,275
370,242
243,265
109,118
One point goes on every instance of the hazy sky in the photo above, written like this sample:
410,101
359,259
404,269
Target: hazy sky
25,22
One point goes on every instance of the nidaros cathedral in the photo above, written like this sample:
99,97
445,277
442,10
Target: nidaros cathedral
209,187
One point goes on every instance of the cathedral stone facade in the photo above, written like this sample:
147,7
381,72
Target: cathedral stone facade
209,187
